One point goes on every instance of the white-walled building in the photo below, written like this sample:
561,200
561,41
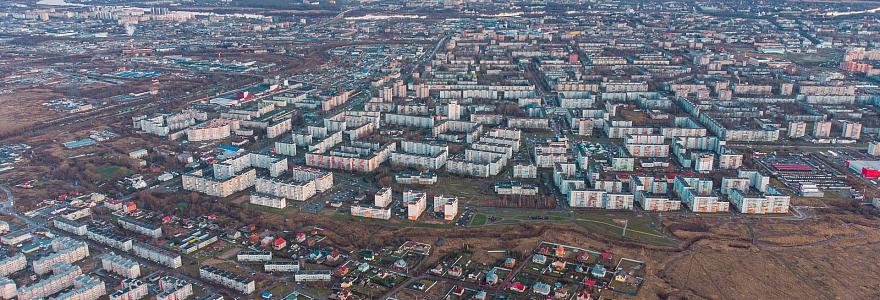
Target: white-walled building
120,265
448,206
415,203
227,279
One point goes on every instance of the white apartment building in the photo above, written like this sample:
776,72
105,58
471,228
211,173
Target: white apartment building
281,266
698,195
256,255
132,289
525,171
758,197
108,238
448,206
515,188
12,264
120,265
232,175
797,129
420,155
359,161
268,200
850,130
415,203
16,237
383,197
874,148
174,288
149,229
288,188
8,288
158,255
74,227
216,129
323,179
227,279
312,275
63,276
822,129
426,178
85,288
66,250
371,212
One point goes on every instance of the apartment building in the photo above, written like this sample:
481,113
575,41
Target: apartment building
132,289
281,266
409,120
107,237
515,188
874,148
361,157
120,265
268,200
288,188
12,263
16,237
312,275
167,124
8,288
478,163
233,174
758,197
149,229
420,155
63,276
173,288
228,279
448,206
415,203
323,179
849,130
371,212
528,123
425,178
216,129
84,288
797,129
65,250
383,197
698,195
822,129
522,170
618,201
652,194
254,255
158,255
582,198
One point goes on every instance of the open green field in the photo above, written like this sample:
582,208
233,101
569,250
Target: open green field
110,171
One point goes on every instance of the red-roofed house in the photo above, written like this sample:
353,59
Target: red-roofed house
518,287
279,243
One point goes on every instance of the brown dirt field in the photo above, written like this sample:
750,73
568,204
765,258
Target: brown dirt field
24,108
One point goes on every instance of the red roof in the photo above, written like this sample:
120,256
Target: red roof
589,282
517,286
280,241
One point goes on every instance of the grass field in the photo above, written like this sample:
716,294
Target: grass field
110,171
